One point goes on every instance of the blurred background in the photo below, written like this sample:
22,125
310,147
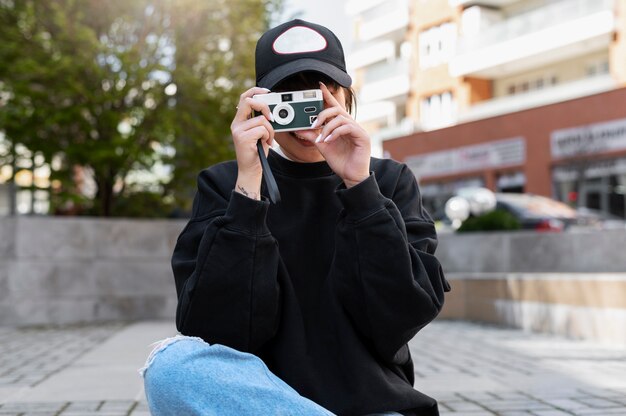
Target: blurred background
111,109
510,113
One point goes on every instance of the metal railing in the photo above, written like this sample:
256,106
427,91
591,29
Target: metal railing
386,70
533,21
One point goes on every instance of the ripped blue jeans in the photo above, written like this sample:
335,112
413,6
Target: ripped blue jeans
186,376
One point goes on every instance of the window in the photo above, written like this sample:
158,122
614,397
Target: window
604,67
30,174
437,45
598,68
529,85
438,110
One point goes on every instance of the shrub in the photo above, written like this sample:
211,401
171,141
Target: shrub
496,220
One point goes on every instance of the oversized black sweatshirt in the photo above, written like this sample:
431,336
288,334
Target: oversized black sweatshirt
326,287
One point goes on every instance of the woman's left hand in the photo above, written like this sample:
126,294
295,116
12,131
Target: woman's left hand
343,143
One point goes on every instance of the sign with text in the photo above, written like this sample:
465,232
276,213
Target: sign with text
588,140
496,154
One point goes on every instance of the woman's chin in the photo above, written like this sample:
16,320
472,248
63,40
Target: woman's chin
300,146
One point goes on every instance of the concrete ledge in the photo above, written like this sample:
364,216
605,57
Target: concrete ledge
578,305
532,252
56,271
85,270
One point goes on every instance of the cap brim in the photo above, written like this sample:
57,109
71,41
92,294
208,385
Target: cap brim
305,64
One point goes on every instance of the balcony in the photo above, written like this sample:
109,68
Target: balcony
384,111
385,81
384,22
519,102
380,51
490,3
355,7
553,33
405,127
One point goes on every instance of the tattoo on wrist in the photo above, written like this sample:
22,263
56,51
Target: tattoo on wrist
243,191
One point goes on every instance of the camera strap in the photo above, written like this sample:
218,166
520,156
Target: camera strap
270,182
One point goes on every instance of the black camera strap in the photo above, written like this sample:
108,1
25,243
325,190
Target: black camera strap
270,182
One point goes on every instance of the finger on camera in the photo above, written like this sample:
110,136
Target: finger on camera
328,96
333,124
340,131
247,106
260,106
248,94
327,114
251,92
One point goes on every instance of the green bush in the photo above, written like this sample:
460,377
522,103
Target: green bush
496,220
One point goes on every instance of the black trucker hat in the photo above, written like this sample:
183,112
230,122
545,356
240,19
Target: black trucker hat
298,46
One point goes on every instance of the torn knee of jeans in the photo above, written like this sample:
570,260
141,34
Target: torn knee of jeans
160,346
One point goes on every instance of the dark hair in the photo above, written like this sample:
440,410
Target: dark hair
310,80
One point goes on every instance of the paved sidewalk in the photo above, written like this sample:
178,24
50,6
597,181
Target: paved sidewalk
471,369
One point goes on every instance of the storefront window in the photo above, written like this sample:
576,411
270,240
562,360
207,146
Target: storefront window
24,180
602,186
511,182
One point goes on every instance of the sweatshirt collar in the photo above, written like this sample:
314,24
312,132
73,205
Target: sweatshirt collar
297,169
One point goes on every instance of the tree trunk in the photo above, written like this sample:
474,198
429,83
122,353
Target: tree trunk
104,195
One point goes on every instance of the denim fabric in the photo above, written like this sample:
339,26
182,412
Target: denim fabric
186,376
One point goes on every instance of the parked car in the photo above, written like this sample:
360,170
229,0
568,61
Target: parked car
535,212
601,220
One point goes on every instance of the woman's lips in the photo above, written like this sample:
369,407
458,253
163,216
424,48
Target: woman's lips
305,137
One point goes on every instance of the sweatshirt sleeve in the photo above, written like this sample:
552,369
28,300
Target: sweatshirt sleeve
387,276
225,266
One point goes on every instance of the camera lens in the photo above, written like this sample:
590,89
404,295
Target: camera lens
283,114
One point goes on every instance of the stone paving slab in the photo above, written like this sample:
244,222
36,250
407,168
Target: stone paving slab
471,369
30,356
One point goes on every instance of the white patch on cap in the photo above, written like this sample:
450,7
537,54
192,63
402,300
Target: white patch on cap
299,39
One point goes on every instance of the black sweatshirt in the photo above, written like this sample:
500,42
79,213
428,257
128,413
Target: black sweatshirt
326,287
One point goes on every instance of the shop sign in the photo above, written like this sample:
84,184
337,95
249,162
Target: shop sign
588,140
496,154
591,170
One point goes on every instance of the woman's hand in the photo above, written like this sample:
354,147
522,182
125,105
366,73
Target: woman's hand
246,132
343,143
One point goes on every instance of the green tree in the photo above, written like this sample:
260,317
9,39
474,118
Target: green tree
213,68
83,86
108,85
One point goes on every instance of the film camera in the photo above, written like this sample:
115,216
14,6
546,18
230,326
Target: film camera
293,110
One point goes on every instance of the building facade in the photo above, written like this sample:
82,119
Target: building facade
514,95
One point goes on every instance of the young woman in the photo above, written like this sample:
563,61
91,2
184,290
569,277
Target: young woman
304,307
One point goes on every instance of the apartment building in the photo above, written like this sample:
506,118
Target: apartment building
514,95
380,65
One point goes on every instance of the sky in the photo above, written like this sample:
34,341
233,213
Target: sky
329,13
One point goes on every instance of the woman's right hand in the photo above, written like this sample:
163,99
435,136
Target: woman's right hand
246,132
